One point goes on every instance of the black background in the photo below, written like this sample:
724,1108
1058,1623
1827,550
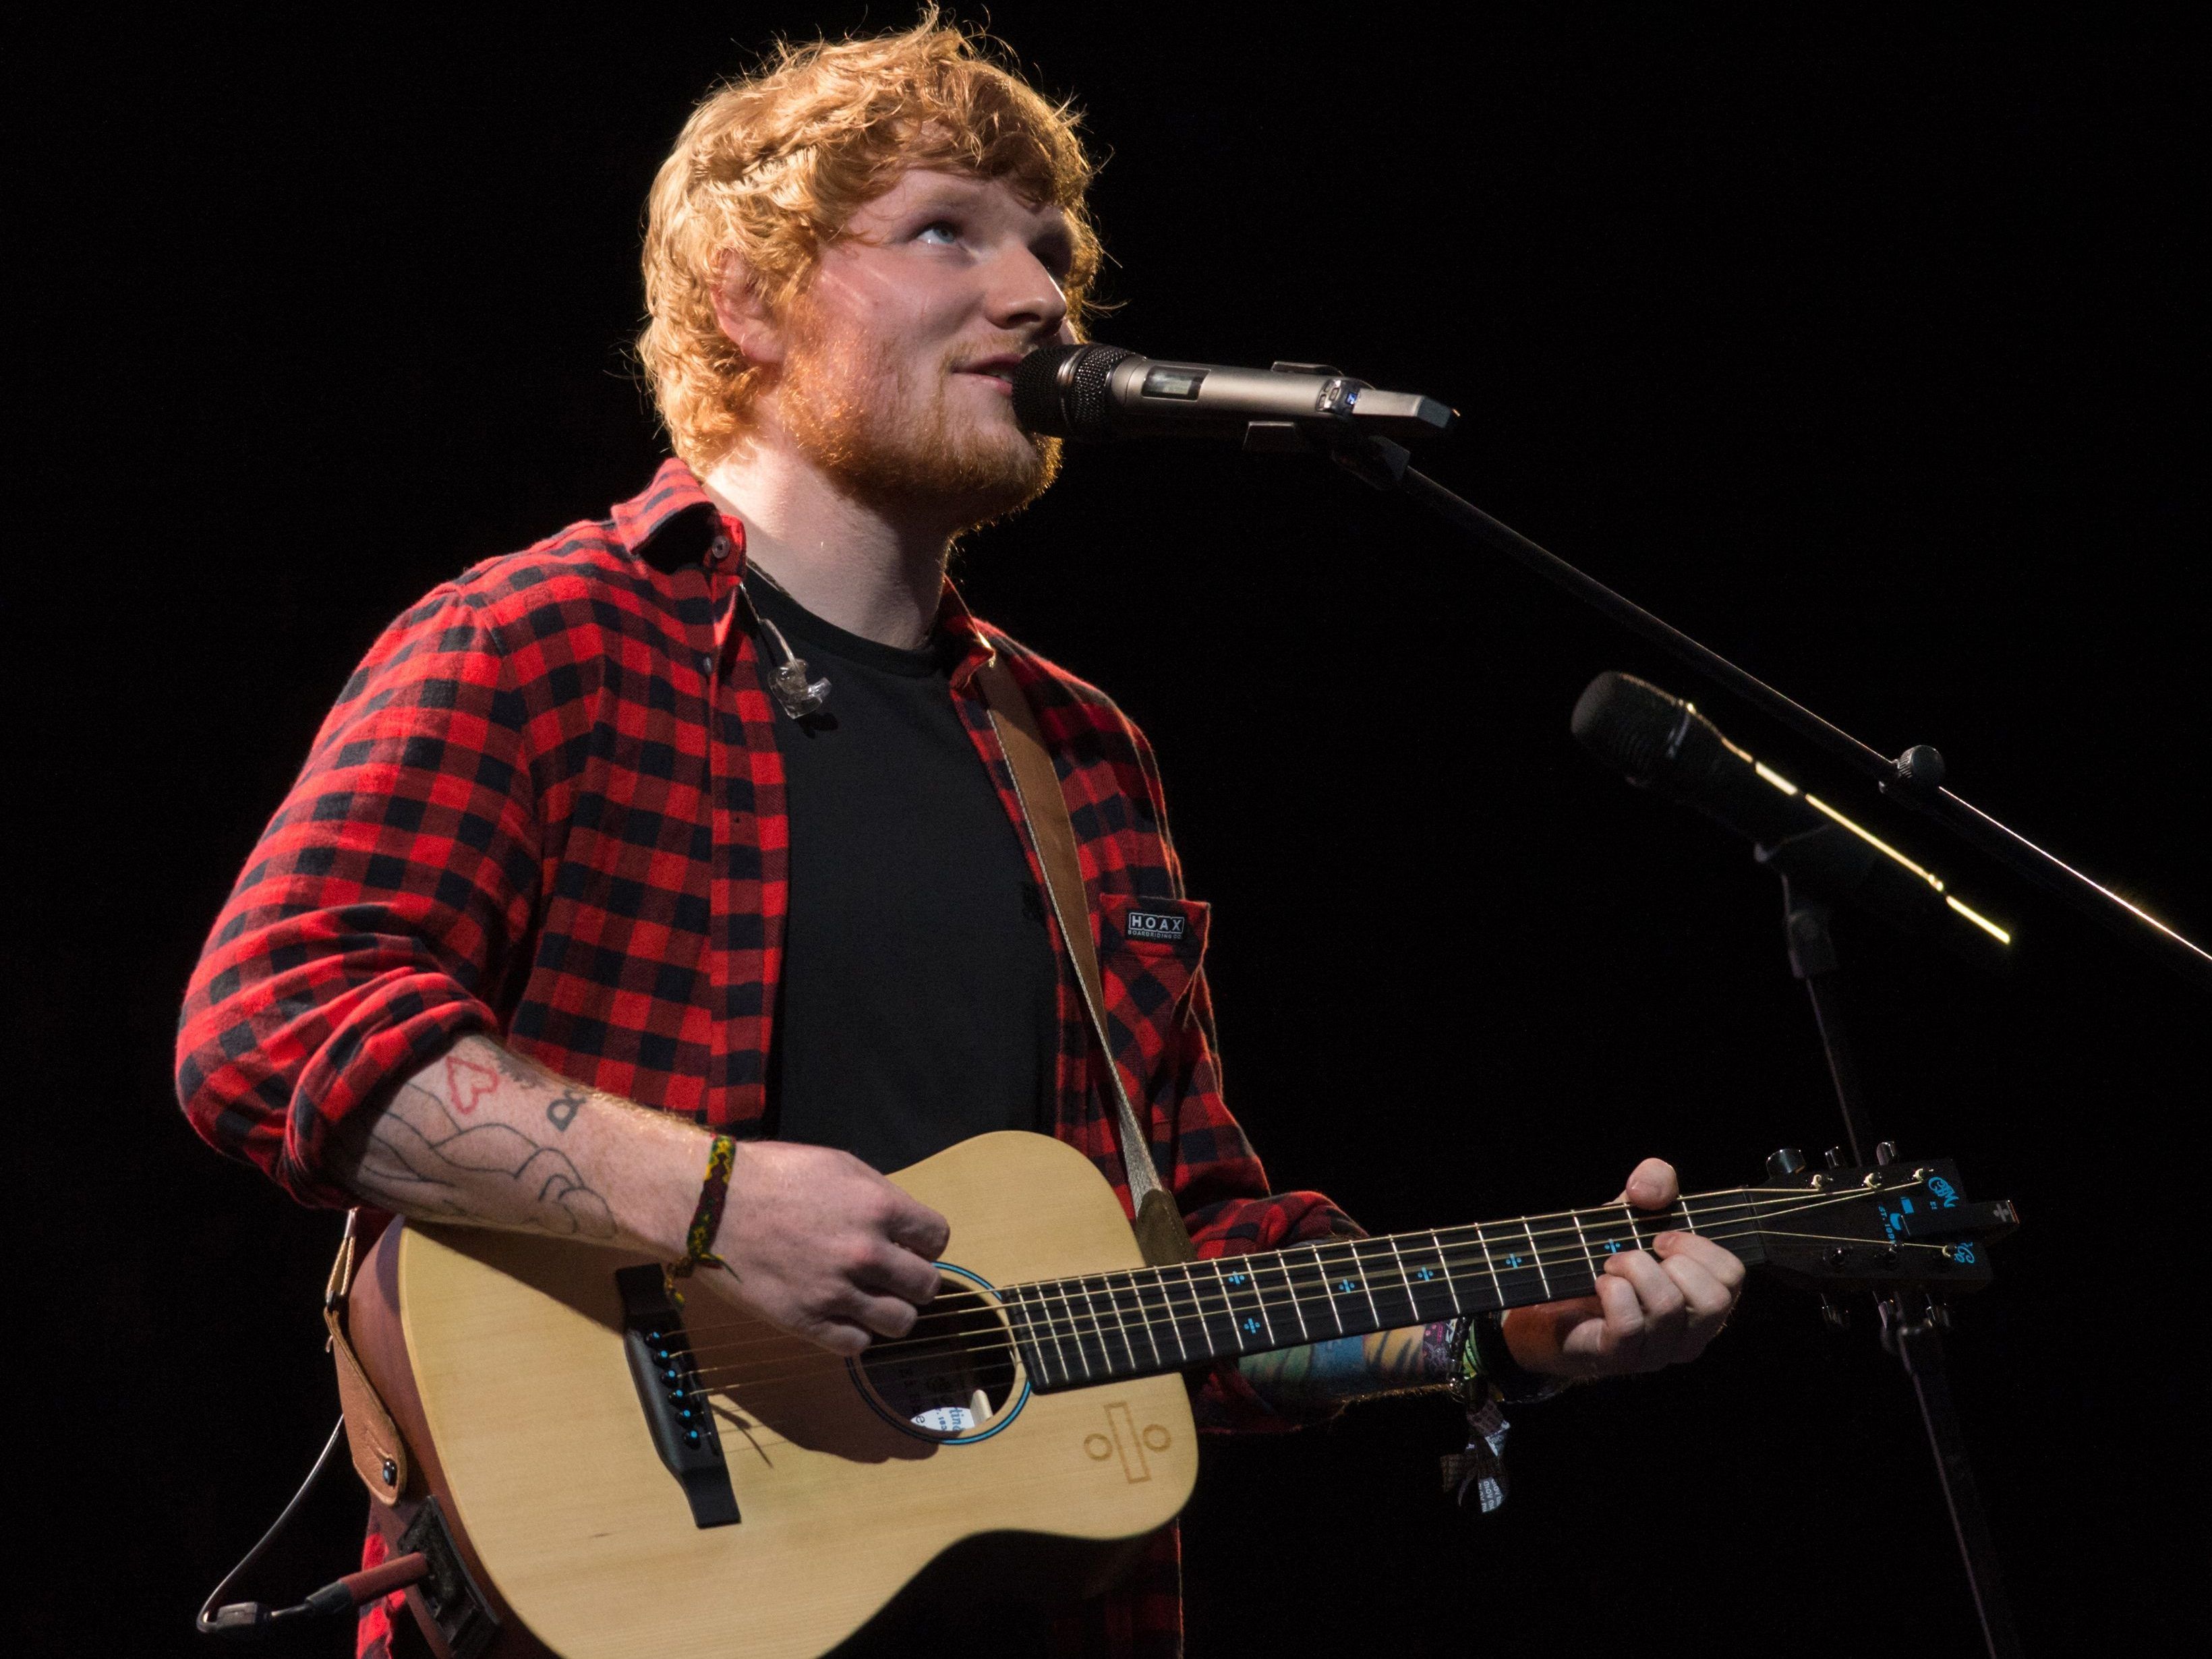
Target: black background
1867,351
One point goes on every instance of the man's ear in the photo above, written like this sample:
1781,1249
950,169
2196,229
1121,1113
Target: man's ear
739,310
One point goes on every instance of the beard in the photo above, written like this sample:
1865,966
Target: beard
855,411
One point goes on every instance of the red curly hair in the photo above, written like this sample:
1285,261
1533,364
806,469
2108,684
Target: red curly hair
770,168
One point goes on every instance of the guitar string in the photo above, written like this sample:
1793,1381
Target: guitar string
1460,1252
1004,1349
1777,1206
1128,1314
1153,1325
1204,1293
981,1311
1000,1335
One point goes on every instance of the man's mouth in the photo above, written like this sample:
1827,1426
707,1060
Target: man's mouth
999,369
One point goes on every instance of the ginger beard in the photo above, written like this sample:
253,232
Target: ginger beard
851,407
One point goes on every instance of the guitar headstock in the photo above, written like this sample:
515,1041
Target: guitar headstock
1845,1228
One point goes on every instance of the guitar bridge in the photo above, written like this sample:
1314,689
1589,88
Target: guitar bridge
659,1355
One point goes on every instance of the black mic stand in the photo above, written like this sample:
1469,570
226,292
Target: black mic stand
1912,1322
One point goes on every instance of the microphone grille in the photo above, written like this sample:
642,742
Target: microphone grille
1061,391
1626,721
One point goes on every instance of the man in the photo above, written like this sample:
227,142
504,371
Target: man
563,892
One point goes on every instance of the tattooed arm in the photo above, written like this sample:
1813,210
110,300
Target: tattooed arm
1651,1308
1305,1381
817,1243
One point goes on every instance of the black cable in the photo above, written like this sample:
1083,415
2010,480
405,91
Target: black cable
243,1616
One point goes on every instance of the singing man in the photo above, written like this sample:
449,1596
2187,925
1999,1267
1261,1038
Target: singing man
584,870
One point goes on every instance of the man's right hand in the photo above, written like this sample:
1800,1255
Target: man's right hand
821,1246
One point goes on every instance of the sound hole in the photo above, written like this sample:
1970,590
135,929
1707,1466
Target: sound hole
954,1374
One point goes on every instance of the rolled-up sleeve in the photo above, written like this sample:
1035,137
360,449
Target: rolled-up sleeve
381,908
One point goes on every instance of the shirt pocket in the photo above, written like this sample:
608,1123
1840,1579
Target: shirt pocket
1149,952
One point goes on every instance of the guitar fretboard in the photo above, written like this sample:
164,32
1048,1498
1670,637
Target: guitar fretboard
1105,1326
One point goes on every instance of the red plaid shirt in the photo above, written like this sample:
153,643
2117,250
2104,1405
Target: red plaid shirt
549,806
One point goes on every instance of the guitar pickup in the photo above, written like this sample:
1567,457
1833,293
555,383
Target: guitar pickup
1992,1219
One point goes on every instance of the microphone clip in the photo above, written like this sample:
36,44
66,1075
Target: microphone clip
1373,461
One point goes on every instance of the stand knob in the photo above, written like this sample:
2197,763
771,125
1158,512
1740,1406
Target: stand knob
1786,1162
1920,768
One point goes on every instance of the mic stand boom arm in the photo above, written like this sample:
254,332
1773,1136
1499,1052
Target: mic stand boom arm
1915,777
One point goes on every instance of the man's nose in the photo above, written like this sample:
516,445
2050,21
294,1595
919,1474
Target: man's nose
1022,294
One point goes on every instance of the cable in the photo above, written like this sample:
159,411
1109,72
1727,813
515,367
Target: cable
339,1595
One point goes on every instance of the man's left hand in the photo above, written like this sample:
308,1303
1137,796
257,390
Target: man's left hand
1652,1308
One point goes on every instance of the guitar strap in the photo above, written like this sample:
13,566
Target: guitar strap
379,1455
1160,1228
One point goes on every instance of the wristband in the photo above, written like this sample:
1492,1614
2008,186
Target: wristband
714,1193
1469,1383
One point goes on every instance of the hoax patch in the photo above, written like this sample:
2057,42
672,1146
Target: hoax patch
1165,926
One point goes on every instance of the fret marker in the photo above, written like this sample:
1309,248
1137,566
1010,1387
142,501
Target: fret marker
1344,1285
1513,1260
1612,1247
1251,1325
1237,1278
1424,1275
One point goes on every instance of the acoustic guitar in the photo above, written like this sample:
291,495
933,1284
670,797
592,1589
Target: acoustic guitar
622,1474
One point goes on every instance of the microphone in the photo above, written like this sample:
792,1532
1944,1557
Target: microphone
1664,745
1104,392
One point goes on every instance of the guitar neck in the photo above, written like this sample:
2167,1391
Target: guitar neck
1106,1327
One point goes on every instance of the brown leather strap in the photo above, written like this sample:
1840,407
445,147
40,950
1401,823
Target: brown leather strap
379,1455
1159,1228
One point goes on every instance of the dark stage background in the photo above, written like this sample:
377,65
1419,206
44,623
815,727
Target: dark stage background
1869,353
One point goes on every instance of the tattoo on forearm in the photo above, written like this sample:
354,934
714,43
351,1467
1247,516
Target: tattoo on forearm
1414,1360
520,1072
468,1080
562,1111
420,1159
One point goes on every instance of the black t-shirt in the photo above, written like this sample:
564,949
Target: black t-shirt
917,1005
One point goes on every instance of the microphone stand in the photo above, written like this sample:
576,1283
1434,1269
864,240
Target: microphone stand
1912,1322
1915,777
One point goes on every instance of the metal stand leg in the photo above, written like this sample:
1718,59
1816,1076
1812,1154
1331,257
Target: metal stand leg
1918,1342
1909,1332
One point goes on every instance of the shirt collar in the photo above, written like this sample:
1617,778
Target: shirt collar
672,522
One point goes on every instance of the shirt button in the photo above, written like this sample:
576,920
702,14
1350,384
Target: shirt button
707,665
719,551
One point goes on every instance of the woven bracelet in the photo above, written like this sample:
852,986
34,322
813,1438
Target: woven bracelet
714,1193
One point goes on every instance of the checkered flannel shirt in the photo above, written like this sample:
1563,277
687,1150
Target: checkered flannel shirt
549,807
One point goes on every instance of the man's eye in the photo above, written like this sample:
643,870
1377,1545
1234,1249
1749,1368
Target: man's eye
943,234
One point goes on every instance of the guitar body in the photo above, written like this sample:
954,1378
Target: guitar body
506,1366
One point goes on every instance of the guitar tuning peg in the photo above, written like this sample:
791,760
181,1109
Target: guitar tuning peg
1939,1316
1786,1162
1833,1314
1885,1152
1833,1158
